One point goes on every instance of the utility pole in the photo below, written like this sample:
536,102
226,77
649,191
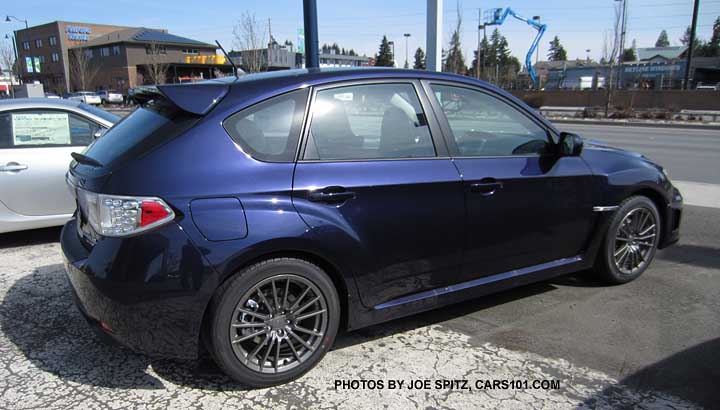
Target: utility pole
311,34
691,45
477,58
434,35
407,35
270,43
622,43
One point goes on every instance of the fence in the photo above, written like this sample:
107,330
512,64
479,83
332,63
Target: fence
671,100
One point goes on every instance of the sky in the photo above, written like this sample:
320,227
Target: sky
579,24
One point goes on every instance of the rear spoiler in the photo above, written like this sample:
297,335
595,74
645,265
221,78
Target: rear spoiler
196,98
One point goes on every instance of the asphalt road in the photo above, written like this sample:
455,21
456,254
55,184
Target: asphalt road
688,154
652,343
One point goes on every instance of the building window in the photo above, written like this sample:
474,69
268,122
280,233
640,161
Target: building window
192,51
26,45
38,43
116,50
155,49
52,40
89,53
55,57
105,52
42,59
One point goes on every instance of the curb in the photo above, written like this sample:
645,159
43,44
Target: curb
636,124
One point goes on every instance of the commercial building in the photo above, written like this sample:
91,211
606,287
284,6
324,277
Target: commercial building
281,57
658,68
69,56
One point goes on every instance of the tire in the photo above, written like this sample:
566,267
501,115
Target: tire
626,253
251,358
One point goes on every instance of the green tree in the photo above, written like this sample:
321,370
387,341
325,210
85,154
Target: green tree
481,64
712,48
557,51
384,56
662,40
455,61
419,63
629,55
685,39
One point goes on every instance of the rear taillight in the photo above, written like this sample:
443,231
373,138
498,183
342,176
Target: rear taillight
112,215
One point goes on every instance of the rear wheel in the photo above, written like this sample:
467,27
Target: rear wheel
631,241
273,321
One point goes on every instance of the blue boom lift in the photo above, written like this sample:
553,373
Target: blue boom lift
497,17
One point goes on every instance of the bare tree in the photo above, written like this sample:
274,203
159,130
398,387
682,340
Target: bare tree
250,39
82,68
7,59
614,50
157,66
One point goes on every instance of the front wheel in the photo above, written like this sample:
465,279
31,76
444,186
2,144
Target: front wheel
631,241
273,321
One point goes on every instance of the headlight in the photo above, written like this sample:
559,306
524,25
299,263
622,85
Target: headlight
664,171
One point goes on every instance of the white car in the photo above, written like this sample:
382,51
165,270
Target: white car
110,97
88,97
37,136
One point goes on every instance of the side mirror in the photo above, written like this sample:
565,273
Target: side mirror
570,145
99,133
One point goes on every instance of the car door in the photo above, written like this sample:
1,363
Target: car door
525,204
377,188
35,147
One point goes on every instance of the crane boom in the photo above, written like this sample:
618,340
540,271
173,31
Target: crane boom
498,16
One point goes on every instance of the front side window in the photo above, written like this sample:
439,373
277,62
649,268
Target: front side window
375,121
270,130
36,128
483,125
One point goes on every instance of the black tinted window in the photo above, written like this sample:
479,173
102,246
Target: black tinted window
368,122
483,125
141,131
270,130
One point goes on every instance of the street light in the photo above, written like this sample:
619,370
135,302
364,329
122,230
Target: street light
407,35
9,18
12,66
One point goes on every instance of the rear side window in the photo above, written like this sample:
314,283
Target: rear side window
146,128
269,131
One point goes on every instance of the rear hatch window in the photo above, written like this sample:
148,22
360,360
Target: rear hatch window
140,132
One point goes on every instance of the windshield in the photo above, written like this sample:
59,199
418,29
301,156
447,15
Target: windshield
99,112
140,132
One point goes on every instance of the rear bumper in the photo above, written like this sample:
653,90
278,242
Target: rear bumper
673,218
147,292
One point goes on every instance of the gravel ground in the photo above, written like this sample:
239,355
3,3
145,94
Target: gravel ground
50,359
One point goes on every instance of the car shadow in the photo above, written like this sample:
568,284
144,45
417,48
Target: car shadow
691,374
696,255
39,317
32,237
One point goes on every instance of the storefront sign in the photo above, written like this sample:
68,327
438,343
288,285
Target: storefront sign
78,33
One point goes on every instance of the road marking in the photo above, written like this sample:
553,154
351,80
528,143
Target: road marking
699,193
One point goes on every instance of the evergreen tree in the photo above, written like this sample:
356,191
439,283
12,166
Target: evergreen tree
629,55
455,61
419,59
712,48
685,39
557,51
384,56
662,40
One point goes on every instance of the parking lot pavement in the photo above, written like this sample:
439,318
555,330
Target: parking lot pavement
653,343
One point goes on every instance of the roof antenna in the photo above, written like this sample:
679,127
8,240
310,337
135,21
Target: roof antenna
235,69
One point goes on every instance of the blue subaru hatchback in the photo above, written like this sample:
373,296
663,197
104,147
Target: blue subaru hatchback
256,216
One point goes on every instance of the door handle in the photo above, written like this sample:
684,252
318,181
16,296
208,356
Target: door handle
486,188
331,195
13,167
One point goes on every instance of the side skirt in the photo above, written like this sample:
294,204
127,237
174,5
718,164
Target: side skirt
424,301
